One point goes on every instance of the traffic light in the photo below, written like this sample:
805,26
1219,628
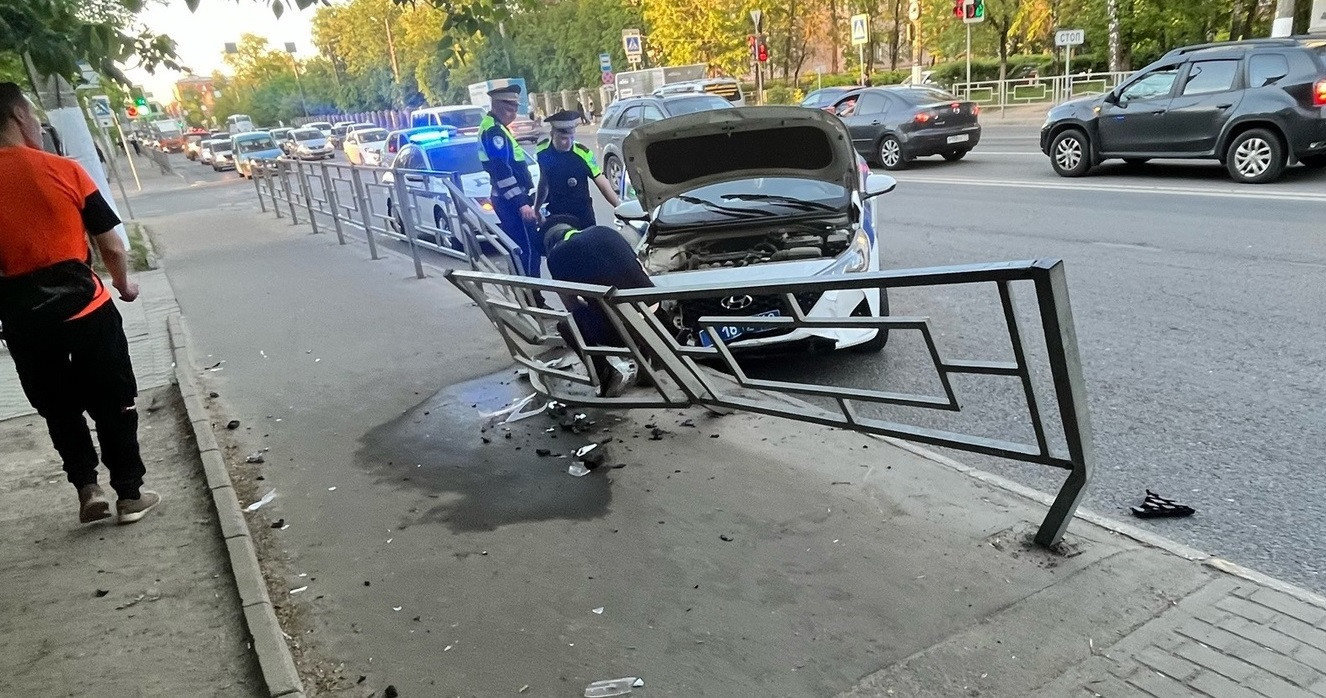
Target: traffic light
131,111
752,43
140,101
973,11
761,51
958,10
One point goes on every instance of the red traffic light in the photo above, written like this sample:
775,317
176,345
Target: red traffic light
131,111
762,52
958,8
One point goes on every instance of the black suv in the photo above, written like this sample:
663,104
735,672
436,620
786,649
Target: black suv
1257,106
628,112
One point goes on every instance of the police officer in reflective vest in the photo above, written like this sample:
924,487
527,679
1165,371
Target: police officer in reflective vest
508,168
566,168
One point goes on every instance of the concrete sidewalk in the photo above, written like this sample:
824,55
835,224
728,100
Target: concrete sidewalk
142,610
740,555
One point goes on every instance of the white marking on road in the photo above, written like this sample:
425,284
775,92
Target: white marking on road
1119,188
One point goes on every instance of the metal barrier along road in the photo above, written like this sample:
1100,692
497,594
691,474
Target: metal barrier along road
1038,90
679,378
427,210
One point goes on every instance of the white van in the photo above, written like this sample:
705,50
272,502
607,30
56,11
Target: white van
727,88
464,118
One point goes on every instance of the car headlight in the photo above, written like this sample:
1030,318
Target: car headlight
855,259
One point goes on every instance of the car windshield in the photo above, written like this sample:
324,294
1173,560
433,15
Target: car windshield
371,135
698,103
761,197
461,118
308,134
339,130
924,95
221,146
254,145
461,158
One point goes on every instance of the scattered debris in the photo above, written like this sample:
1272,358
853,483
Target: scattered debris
215,367
390,692
726,538
279,523
255,457
613,687
542,452
656,434
331,489
840,482
592,455
397,608
598,610
511,413
102,592
300,590
687,423
713,436
214,395
264,501
1156,506
577,469
523,688
232,424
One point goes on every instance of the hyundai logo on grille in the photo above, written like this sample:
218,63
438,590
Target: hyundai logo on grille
736,302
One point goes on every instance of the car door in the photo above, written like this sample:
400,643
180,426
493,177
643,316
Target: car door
866,121
1131,123
1208,95
352,148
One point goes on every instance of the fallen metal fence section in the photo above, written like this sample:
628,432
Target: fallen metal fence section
678,378
431,211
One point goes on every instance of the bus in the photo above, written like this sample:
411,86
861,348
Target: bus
239,123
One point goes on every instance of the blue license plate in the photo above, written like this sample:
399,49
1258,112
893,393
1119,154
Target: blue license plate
731,333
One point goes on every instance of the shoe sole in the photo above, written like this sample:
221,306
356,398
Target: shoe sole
136,515
95,511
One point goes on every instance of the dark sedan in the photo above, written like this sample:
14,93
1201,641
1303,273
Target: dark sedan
825,97
891,126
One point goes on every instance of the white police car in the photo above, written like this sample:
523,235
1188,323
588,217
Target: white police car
432,151
756,194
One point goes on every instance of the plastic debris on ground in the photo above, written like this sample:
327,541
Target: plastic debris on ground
300,590
264,501
255,457
613,687
592,455
598,611
511,413
232,424
578,469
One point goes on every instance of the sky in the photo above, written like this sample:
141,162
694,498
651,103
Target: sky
200,37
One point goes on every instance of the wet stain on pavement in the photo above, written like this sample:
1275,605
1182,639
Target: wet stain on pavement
485,479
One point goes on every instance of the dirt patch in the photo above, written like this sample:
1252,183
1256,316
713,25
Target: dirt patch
322,675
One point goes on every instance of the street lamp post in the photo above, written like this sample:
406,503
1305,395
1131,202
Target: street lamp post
294,66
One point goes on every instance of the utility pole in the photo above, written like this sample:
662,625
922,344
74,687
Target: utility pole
391,47
1284,18
294,65
1116,48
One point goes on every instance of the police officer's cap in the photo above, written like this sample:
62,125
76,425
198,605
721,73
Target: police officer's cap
510,93
564,120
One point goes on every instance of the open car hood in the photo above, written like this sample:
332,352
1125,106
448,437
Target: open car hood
673,156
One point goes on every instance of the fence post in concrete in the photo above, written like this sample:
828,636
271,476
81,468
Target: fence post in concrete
285,186
257,187
361,202
333,202
307,192
402,213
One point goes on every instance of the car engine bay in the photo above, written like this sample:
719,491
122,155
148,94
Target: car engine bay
703,250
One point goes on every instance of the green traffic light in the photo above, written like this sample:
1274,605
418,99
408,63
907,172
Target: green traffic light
980,8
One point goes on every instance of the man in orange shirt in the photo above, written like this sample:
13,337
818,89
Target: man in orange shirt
64,334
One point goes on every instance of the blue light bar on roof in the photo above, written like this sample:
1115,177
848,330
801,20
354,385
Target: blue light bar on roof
431,135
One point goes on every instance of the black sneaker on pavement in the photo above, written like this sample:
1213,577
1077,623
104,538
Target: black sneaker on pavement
92,504
131,510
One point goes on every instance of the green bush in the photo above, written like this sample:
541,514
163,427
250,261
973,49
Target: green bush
783,94
983,69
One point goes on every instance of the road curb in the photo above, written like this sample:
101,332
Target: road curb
1115,526
274,658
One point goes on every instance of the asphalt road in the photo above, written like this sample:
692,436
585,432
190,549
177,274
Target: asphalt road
1198,304
1198,307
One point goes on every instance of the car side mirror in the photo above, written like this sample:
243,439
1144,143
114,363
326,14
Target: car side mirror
877,184
1112,97
631,210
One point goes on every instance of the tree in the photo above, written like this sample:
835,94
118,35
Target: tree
701,31
58,34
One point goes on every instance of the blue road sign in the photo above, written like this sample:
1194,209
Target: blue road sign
605,62
632,44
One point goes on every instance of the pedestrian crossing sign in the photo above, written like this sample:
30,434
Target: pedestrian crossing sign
631,42
860,29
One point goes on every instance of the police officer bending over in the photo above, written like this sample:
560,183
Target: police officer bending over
508,168
566,168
